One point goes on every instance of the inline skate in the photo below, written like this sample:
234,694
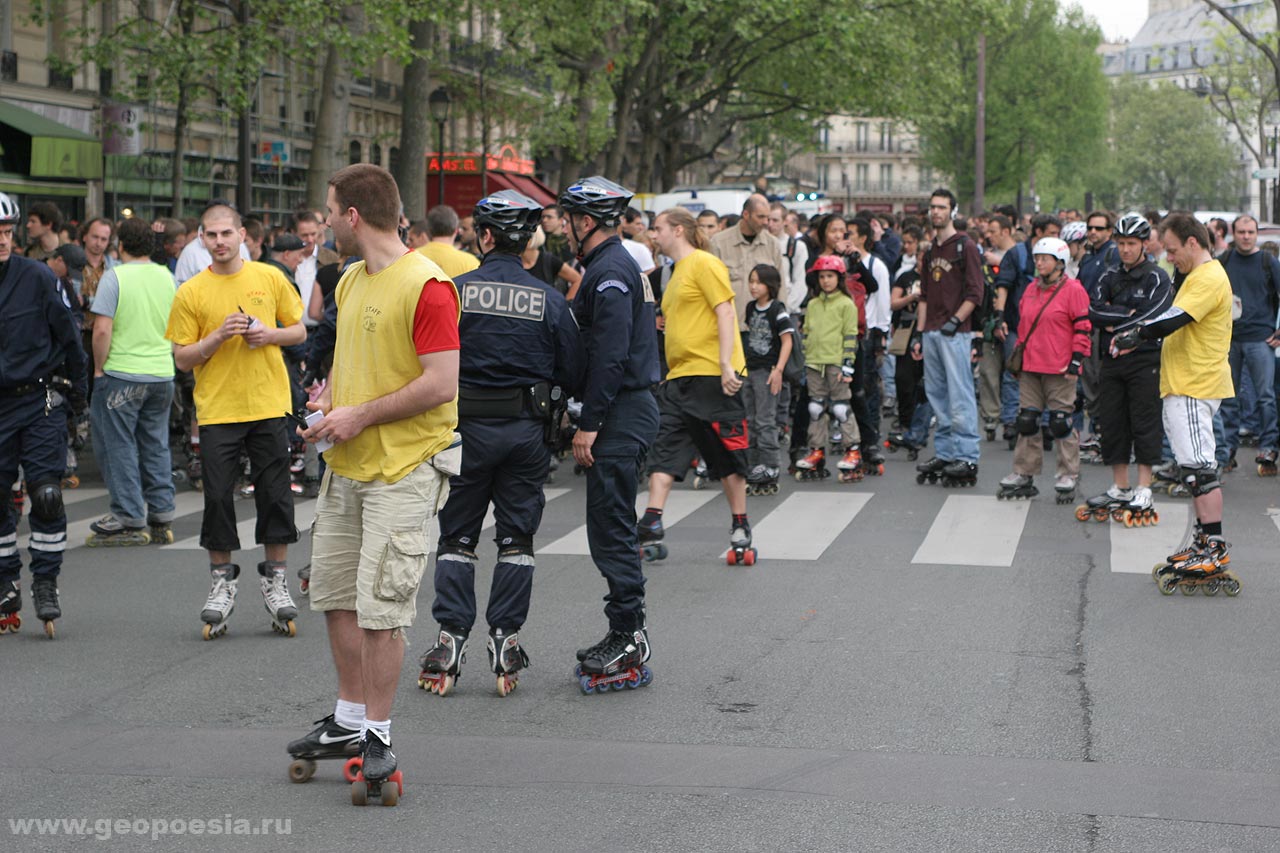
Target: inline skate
276,598
1110,503
1204,568
1267,463
701,476
375,771
108,532
10,606
812,466
1065,489
740,551
506,659
221,601
1010,435
959,474
1140,511
872,460
1016,487
896,441
1169,482
849,468
990,428
44,593
1091,450
650,533
615,663
304,580
328,740
442,664
160,532
931,470
762,481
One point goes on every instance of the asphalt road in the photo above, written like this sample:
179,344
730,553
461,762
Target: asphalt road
930,671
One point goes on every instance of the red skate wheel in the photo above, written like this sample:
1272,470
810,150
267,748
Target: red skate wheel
351,769
749,558
732,557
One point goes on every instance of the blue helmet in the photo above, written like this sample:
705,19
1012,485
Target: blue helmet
599,198
509,213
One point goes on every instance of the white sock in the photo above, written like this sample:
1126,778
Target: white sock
381,727
348,714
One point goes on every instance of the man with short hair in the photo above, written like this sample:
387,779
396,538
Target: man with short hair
308,228
743,246
557,242
1101,254
96,236
133,376
172,242
419,235
195,255
632,228
709,222
796,259
442,231
999,236
44,221
466,240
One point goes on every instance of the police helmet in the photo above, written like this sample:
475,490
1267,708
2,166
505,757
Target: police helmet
509,213
8,210
599,198
1052,246
1132,225
1074,232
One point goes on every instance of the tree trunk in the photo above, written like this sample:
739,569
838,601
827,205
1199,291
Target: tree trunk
177,173
415,124
333,101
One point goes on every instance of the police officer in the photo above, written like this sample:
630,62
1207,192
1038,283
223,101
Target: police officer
619,420
39,340
520,355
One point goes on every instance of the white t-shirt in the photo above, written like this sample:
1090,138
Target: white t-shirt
640,254
195,257
305,276
798,262
879,314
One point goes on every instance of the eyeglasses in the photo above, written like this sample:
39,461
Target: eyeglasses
1096,227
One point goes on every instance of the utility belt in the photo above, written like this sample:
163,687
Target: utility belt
40,386
540,402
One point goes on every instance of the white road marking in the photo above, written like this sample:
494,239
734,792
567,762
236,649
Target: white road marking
1137,549
974,530
680,503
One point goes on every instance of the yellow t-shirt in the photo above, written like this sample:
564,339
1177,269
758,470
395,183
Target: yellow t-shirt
1193,360
453,261
698,284
238,384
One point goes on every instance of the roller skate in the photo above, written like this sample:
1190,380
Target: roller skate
1010,435
1015,487
506,659
1230,465
990,428
1195,544
762,481
740,551
1091,450
849,467
649,533
1205,569
615,663
195,467
276,598
1064,489
701,477
1046,439
44,592
930,470
221,601
1140,512
1111,503
896,441
18,497
442,664
959,474
872,460
812,466
1248,438
1267,463
1168,481
160,532
108,532
327,740
10,606
304,580
375,772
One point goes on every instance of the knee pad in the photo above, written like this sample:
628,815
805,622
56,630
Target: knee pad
1201,481
46,500
1028,421
1059,424
817,408
840,411
511,546
461,549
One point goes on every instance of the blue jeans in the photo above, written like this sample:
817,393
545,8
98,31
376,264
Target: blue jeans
1008,384
1261,362
131,444
948,382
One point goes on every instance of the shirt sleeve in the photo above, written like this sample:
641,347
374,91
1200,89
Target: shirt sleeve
435,320
108,296
288,302
184,328
713,282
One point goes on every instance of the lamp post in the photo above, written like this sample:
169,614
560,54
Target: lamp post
438,104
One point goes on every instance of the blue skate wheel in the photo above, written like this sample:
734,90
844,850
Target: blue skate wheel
646,675
585,682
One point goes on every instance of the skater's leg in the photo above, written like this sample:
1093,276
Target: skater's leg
762,408
957,355
750,397
1060,395
1262,368
336,536
1028,454
116,406
673,451
220,446
819,393
1146,421
1230,411
611,535
518,504
44,456
938,389
346,641
1008,384
461,520
152,441
267,443
10,560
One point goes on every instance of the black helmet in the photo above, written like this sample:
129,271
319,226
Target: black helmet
1132,225
509,213
599,198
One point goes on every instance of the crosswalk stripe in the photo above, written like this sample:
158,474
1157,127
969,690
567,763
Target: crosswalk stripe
974,530
71,497
184,503
1137,549
805,524
680,503
304,511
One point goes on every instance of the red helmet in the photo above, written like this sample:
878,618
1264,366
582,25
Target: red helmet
835,263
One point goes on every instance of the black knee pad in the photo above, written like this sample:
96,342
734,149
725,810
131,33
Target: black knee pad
1201,481
1059,423
1028,421
46,500
514,546
456,547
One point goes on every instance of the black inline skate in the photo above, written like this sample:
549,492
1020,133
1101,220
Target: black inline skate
1169,482
377,776
10,606
811,466
872,460
740,551
990,428
442,663
896,441
506,659
1064,489
328,740
650,533
1267,463
701,476
959,474
762,481
44,593
931,470
1010,434
1110,503
1016,487
615,663
1204,568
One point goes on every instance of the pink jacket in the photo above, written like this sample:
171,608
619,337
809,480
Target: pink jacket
1064,329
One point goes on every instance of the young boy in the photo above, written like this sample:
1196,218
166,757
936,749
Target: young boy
767,341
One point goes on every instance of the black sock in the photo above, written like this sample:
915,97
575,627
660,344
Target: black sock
652,511
1212,529
739,520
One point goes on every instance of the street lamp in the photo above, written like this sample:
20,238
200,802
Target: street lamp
438,105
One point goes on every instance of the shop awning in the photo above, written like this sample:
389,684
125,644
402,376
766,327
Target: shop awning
533,188
42,148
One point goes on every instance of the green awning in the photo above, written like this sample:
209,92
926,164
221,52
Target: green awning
46,149
22,185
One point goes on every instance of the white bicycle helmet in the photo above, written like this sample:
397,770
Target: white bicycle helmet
8,210
1052,246
1073,232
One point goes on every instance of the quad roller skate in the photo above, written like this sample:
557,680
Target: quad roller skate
506,659
327,740
1140,511
872,461
1205,568
442,664
108,532
1016,487
930,470
959,474
276,598
811,466
1267,463
44,592
849,468
375,772
740,551
10,606
1110,503
762,481
649,533
221,601
896,441
701,476
615,663
1064,489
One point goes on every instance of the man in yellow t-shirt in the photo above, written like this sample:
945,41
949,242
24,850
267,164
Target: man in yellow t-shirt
227,324
700,403
1194,378
442,229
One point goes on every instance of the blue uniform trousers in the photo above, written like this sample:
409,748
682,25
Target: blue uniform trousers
36,440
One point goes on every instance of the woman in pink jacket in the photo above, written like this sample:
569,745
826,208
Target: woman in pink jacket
1054,339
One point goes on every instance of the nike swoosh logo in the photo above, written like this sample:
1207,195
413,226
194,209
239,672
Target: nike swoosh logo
326,740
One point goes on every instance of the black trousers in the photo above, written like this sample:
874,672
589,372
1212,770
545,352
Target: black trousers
267,445
1129,410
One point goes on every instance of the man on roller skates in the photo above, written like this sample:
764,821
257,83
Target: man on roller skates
1194,379
615,311
520,356
38,338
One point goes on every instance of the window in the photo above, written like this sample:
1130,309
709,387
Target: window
860,131
926,178
886,177
353,152
393,160
824,176
886,136
861,177
375,154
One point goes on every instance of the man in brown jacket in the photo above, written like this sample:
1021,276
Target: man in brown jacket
744,246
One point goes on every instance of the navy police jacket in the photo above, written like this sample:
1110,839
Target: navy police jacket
515,331
38,334
615,312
